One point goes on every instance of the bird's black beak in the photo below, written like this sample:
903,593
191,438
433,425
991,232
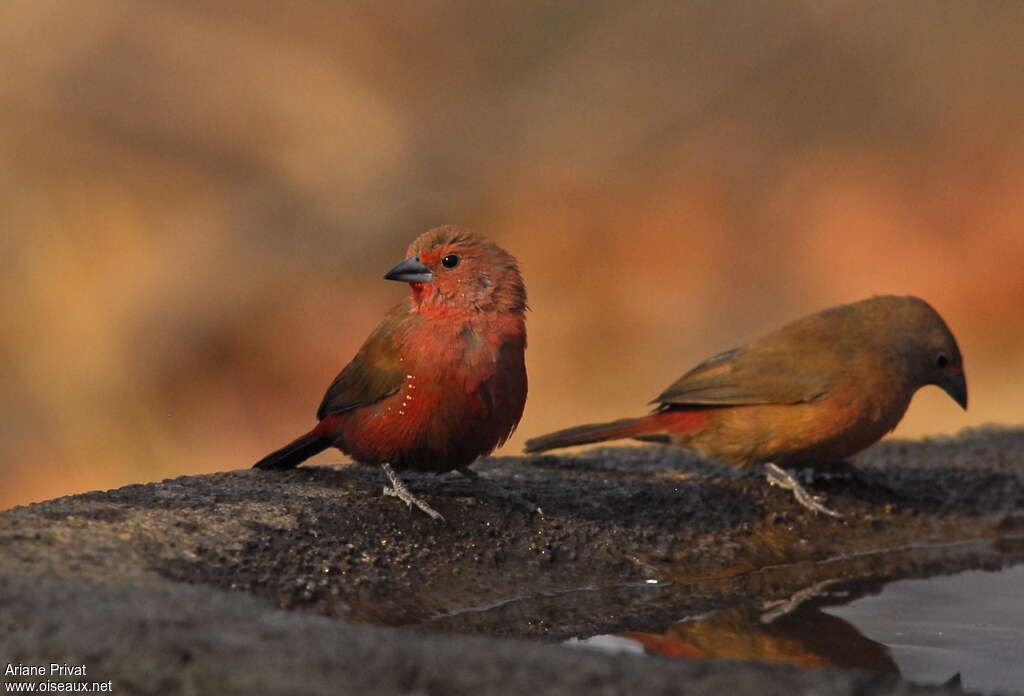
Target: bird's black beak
956,387
410,271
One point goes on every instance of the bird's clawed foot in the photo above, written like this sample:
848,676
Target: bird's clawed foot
495,491
779,477
398,490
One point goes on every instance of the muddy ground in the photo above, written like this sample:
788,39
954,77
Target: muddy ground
629,536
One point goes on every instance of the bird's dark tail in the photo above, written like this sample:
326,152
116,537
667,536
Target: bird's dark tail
295,452
585,434
656,427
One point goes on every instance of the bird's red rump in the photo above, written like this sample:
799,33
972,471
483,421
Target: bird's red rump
669,646
328,427
679,421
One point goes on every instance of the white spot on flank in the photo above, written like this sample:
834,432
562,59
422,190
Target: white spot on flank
410,377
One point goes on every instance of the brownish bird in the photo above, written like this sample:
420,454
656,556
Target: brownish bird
813,392
442,380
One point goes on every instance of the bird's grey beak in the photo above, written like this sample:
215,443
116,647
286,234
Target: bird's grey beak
410,271
956,387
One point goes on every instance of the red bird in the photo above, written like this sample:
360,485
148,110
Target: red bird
442,380
813,392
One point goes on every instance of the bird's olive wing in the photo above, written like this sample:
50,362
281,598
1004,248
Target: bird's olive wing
375,372
741,377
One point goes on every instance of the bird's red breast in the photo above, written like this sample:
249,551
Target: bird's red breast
461,390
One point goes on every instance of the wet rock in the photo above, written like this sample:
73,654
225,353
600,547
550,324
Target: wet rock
181,639
183,586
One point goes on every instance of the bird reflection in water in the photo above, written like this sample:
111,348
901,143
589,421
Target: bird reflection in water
796,631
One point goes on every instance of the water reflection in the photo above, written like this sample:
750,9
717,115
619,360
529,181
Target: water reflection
797,632
927,629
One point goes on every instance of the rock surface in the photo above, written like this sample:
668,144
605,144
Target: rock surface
251,581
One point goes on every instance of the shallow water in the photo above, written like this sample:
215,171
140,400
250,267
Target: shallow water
927,630
972,622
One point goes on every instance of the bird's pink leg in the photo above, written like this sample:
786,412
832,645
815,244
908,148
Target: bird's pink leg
780,477
398,490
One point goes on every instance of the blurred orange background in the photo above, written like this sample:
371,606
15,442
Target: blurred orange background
199,199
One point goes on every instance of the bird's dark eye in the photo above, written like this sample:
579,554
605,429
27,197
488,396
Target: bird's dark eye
941,360
450,261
